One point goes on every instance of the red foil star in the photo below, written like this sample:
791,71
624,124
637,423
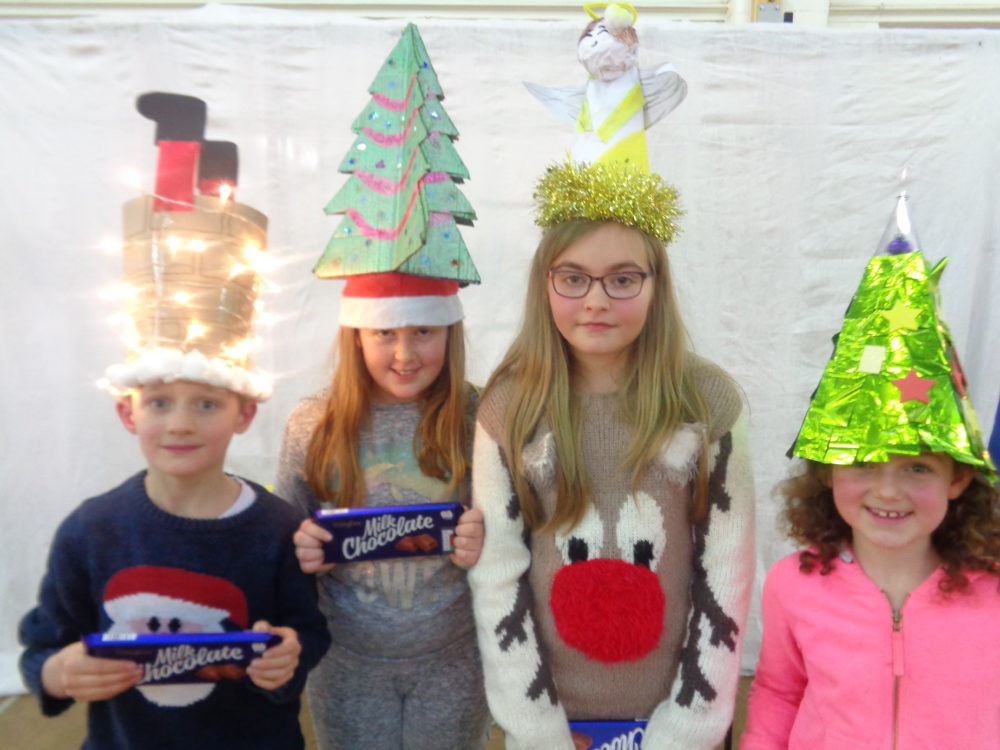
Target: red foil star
957,374
913,387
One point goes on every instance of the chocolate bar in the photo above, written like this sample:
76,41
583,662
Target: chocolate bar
184,657
389,531
611,735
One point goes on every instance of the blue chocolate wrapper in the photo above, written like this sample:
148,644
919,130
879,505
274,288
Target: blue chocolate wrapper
611,735
389,531
183,657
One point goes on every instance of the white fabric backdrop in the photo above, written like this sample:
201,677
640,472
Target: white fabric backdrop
787,155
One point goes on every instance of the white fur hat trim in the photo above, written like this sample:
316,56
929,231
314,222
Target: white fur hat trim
400,312
172,364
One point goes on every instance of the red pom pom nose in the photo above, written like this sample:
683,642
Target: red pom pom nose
610,610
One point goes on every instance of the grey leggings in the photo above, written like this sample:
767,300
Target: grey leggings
430,702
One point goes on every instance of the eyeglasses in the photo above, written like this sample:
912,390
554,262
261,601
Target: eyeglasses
617,285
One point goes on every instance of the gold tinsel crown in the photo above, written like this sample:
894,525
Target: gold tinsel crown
607,192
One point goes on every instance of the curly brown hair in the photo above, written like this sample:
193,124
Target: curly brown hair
967,539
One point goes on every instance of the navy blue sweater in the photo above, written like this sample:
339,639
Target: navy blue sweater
177,574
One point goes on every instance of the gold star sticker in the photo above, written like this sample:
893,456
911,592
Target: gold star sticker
901,316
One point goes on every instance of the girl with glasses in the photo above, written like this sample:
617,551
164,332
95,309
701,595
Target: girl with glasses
611,469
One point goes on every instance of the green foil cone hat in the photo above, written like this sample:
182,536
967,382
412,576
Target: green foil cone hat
894,384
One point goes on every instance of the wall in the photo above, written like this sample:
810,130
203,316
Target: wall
787,154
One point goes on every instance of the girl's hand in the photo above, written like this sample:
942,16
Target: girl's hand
468,538
73,673
308,542
277,665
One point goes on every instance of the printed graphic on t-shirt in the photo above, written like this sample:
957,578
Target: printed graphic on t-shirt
400,583
393,477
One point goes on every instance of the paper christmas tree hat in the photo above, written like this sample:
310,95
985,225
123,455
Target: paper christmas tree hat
401,206
607,177
894,384
192,258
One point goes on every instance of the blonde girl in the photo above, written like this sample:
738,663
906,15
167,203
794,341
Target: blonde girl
611,469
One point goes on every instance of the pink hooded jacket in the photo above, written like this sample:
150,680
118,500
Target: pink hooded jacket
837,672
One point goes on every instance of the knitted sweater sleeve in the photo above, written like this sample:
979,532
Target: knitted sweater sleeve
781,677
519,686
699,707
295,606
63,615
290,483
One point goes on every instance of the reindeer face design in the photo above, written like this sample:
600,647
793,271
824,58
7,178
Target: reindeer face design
606,600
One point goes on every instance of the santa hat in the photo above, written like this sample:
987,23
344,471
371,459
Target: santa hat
397,300
192,259
894,384
398,243
150,590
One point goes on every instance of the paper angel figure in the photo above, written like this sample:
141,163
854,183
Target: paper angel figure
612,111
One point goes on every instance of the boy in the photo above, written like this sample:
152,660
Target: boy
181,547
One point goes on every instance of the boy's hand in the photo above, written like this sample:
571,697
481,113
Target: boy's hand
468,538
309,547
73,673
278,663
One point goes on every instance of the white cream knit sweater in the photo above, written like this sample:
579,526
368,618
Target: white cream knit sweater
556,639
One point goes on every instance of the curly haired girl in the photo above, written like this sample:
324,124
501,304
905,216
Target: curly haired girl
882,633
885,627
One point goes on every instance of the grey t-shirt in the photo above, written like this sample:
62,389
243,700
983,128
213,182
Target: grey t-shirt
384,608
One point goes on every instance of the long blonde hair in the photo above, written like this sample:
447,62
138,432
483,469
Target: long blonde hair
657,397
333,468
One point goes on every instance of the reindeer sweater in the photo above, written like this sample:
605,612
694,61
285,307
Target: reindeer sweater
633,613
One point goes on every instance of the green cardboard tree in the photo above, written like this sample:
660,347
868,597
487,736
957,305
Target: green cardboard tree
894,383
401,205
